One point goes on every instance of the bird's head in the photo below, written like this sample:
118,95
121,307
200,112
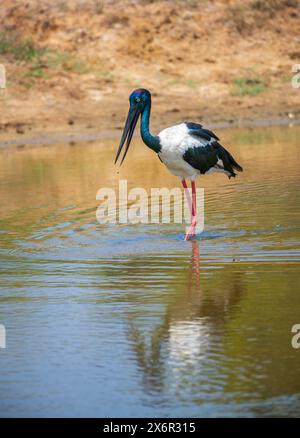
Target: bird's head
138,100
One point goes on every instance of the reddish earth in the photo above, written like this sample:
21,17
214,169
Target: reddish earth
216,61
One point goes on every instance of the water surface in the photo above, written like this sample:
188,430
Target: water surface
129,320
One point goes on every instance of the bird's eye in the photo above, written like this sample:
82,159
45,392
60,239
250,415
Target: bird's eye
138,99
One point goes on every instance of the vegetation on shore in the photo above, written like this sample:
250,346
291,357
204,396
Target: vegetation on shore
210,60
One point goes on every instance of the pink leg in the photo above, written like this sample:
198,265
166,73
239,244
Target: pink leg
192,229
194,207
187,194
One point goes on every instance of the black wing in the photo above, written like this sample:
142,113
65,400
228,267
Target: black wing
206,156
198,130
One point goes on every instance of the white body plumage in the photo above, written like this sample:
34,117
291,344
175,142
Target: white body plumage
175,141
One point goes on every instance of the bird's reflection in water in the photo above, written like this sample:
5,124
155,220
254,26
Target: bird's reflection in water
194,276
188,337
178,348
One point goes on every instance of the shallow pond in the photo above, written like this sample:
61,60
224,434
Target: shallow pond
129,320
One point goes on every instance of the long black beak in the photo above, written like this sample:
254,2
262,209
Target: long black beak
131,121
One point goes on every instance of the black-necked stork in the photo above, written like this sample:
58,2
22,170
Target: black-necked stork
187,149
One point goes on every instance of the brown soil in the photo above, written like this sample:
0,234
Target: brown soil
225,61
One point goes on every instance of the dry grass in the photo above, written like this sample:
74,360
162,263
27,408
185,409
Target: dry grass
246,16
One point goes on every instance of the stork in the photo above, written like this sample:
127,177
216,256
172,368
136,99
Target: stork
187,150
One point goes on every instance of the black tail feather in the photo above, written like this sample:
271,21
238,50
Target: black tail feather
229,162
234,164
